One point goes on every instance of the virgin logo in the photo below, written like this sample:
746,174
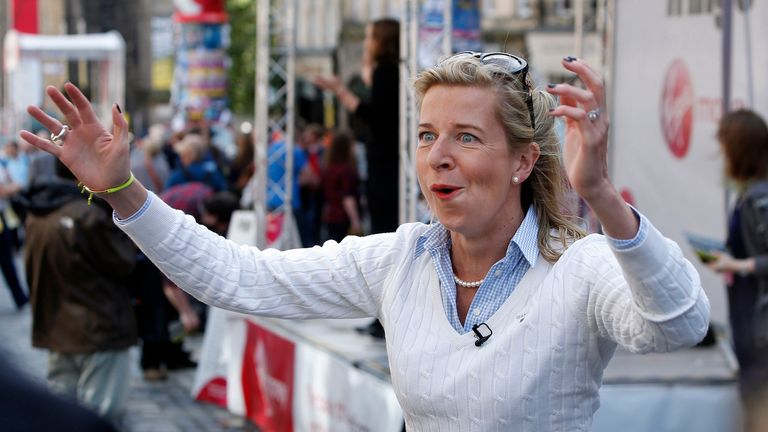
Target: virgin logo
677,108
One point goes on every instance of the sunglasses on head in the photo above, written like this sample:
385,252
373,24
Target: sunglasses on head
512,65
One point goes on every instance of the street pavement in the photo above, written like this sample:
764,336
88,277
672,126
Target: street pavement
161,406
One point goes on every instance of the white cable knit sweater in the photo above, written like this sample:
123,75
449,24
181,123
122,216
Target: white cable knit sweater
541,369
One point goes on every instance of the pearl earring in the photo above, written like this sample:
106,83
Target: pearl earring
515,179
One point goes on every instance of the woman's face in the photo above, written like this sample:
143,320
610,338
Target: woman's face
464,164
369,43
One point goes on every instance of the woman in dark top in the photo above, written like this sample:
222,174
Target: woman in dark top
340,213
743,137
380,110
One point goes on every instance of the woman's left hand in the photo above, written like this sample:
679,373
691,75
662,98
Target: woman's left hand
586,136
586,149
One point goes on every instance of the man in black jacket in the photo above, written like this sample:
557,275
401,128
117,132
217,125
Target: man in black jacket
78,264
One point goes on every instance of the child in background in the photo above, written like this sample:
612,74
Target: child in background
340,187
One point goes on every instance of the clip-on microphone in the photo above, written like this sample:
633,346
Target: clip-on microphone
482,333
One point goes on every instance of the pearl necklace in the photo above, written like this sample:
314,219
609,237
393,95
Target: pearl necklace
466,284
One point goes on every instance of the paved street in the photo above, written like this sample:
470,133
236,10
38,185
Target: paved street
164,406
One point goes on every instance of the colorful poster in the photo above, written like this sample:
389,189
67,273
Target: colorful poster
466,34
466,26
200,77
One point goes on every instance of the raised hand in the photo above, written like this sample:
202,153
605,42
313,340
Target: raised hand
331,83
586,148
586,136
98,158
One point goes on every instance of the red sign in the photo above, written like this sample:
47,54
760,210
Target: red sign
200,11
25,16
677,101
268,379
215,392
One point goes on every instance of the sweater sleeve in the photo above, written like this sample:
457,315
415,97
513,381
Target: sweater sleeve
337,280
647,298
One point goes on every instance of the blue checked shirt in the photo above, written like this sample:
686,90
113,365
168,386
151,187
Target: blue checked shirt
503,276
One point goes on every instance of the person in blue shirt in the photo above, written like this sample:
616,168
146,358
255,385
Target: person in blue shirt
195,167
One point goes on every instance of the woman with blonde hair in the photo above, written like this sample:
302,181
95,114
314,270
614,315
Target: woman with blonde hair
501,315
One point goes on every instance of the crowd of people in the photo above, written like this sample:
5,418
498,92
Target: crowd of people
502,252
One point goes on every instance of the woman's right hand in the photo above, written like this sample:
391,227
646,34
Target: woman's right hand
725,263
331,83
99,159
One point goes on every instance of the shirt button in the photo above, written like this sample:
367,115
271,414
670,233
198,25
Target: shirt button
498,273
477,311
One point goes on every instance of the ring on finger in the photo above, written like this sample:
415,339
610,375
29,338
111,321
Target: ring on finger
58,138
594,114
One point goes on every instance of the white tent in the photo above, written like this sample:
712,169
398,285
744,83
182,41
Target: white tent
26,57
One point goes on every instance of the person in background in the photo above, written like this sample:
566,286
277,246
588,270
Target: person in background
743,137
303,175
504,305
216,212
243,166
311,193
194,167
381,111
381,55
9,223
17,164
340,212
148,163
77,265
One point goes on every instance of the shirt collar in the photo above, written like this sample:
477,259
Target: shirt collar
525,239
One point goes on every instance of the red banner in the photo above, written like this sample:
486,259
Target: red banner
200,11
268,365
25,16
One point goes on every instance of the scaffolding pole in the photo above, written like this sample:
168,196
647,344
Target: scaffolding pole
275,97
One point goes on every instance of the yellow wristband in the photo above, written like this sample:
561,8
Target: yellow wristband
90,191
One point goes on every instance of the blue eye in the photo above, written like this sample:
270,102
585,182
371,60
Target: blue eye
467,138
427,137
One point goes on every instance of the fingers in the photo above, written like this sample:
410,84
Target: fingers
584,97
49,122
119,125
569,108
591,79
571,113
81,102
42,144
65,106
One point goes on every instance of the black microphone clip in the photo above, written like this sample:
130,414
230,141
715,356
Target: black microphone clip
482,333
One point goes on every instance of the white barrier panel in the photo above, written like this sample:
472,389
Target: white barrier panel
224,337
332,395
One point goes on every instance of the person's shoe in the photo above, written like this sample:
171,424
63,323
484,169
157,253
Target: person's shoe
155,374
177,358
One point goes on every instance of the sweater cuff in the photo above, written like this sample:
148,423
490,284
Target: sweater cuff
150,225
664,285
642,232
